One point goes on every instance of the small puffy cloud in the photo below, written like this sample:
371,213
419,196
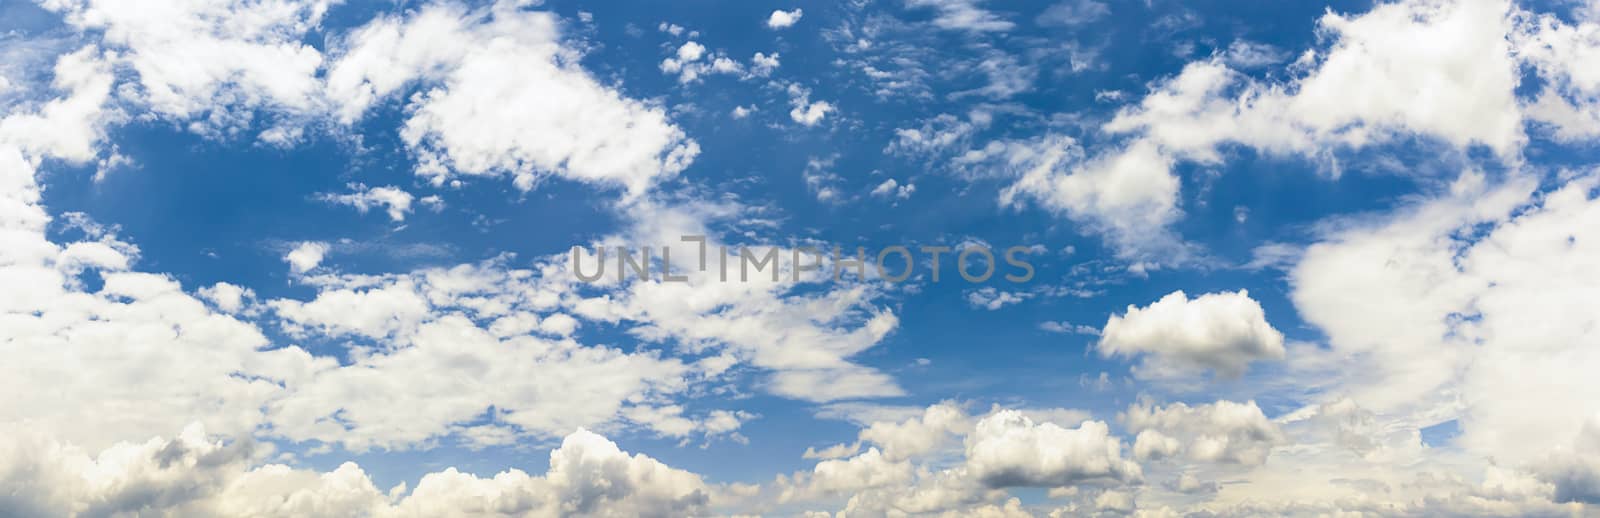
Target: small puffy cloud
1154,445
992,299
1072,13
781,19
228,63
305,256
395,202
891,188
1221,332
227,297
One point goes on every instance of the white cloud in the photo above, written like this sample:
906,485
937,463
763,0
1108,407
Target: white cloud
1222,332
940,461
1561,52
892,189
781,19
1008,449
1222,432
963,15
1129,194
689,66
938,136
1246,54
484,121
66,127
210,64
396,202
1351,95
227,297
915,437
805,111
197,475
992,299
1072,13
305,256
763,64
1065,327
1484,326
822,181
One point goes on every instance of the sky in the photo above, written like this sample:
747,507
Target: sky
326,258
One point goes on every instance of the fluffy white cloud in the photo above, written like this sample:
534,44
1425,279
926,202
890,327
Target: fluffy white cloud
1008,449
809,113
506,103
211,64
1222,332
1223,431
917,436
781,19
1073,13
305,256
396,202
689,66
1560,52
763,64
1366,88
963,15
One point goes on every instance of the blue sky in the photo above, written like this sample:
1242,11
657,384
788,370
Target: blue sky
306,257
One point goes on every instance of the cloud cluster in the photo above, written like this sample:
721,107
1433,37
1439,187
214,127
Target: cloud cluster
197,475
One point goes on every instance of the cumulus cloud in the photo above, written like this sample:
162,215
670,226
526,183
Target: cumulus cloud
1223,432
305,256
1349,95
781,19
892,188
1072,13
1446,317
210,65
963,15
484,121
1221,332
